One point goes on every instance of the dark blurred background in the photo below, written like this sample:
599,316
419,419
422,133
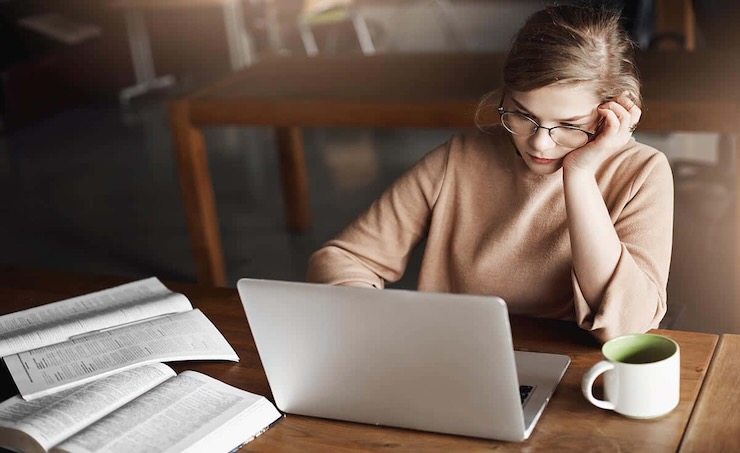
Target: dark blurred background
89,184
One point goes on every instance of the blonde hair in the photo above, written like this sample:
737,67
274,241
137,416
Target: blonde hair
571,44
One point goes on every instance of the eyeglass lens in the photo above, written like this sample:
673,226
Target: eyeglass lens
519,124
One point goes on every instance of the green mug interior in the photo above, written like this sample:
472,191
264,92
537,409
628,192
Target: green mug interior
639,348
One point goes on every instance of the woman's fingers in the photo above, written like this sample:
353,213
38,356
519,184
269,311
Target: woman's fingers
626,101
625,110
612,122
619,116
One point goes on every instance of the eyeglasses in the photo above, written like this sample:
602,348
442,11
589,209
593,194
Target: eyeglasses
524,126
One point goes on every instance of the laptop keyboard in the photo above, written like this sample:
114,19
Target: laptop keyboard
524,392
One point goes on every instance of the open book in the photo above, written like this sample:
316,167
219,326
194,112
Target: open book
74,341
147,408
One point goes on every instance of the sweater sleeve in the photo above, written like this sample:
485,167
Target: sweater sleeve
635,297
376,246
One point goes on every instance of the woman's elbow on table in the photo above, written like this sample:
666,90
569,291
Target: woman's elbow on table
334,266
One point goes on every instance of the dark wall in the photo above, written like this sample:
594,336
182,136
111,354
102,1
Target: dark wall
40,76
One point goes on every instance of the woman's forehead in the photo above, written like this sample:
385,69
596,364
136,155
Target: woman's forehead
558,102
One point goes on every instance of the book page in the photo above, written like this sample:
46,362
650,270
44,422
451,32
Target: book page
58,321
182,336
53,418
177,414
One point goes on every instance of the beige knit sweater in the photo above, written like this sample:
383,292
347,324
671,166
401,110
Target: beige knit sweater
494,227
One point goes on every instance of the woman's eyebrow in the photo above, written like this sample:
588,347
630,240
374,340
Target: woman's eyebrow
566,120
519,106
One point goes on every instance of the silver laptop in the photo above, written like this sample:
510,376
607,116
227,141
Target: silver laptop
427,361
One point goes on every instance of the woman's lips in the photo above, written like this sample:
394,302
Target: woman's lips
541,160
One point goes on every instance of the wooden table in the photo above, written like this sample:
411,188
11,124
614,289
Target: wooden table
715,424
568,423
683,91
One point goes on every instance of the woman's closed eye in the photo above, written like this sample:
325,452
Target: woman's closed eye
537,120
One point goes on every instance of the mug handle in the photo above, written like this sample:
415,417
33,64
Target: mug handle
588,382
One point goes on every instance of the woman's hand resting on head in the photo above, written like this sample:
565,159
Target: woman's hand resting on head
619,118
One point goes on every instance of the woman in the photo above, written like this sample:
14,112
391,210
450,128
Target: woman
557,209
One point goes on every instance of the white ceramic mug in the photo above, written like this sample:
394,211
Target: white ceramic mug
642,375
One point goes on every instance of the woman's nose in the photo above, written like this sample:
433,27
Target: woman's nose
541,139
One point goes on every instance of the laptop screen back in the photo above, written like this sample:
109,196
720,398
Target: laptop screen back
428,361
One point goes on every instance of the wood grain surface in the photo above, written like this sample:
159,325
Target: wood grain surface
715,424
568,423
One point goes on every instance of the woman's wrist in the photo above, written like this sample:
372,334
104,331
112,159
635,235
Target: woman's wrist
576,173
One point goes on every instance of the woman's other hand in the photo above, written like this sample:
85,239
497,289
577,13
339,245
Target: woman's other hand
619,118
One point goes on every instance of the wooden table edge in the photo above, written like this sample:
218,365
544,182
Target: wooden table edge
688,441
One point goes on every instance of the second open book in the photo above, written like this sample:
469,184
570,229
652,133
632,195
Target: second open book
145,408
68,343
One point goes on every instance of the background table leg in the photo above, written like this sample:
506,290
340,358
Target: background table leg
197,195
736,206
237,37
293,174
141,57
